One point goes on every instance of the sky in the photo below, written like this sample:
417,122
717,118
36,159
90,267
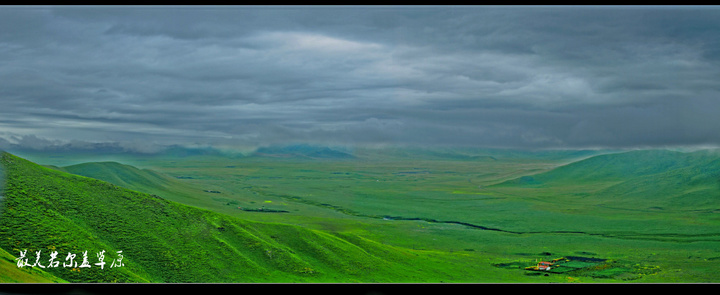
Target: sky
240,76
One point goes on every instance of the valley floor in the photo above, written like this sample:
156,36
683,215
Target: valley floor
480,221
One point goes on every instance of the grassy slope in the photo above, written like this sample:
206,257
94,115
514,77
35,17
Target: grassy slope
621,166
121,175
654,177
162,241
142,180
10,273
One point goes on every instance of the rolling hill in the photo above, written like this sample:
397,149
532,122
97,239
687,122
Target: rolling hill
142,180
46,210
660,177
121,175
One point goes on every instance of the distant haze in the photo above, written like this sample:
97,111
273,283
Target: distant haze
138,78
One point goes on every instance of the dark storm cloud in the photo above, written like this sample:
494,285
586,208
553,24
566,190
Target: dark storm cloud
489,76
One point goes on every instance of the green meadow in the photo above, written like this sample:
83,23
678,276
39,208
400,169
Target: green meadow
394,215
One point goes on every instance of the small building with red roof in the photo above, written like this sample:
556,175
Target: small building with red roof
544,265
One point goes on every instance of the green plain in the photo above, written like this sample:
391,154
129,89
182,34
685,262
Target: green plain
374,218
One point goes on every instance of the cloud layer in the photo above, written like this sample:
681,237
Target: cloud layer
566,77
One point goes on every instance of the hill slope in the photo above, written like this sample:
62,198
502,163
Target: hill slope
10,273
121,175
665,177
141,180
48,210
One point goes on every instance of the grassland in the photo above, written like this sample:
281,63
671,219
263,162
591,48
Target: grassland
435,215
164,241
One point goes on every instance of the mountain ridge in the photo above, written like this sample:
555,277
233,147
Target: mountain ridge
301,151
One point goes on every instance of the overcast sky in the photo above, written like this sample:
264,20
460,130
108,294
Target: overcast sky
538,77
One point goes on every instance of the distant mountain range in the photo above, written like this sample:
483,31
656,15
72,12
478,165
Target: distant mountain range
90,151
302,151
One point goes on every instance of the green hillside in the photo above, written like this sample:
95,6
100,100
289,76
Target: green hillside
618,166
10,273
141,180
121,175
48,210
657,178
